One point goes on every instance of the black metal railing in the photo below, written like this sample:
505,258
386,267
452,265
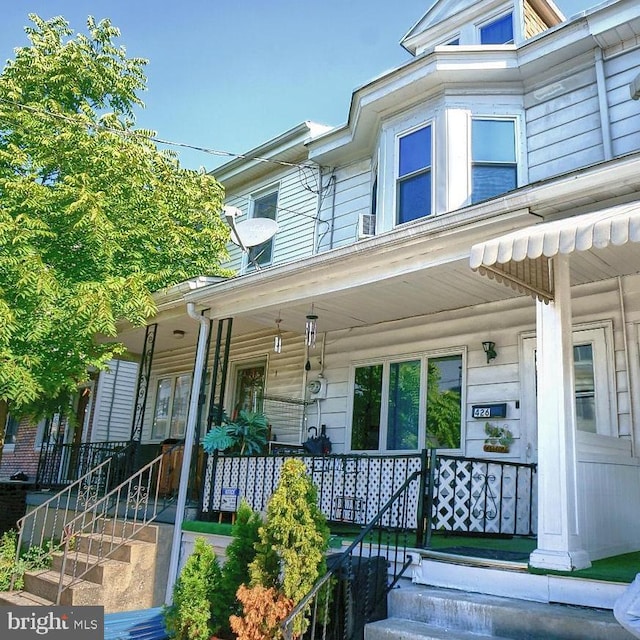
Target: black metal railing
352,489
354,590
60,465
91,518
480,496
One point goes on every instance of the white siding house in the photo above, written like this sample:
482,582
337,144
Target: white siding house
506,119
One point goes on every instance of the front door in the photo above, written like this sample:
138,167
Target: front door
592,386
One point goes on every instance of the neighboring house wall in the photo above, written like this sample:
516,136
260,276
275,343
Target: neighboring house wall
24,454
113,412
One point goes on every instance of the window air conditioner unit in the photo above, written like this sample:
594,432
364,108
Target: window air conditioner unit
366,225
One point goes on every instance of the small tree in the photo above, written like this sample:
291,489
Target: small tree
240,553
291,553
194,614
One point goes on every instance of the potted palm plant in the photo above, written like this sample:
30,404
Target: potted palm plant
247,434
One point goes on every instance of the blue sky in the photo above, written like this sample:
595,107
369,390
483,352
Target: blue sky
231,74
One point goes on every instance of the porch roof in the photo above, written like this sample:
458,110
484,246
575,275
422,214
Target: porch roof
522,259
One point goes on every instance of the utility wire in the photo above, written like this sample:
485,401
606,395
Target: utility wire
172,143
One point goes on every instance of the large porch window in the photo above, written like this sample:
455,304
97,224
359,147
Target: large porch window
172,404
404,405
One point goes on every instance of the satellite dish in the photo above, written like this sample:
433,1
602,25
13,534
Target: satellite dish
252,232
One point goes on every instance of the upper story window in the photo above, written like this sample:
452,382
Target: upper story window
493,150
401,405
264,207
498,31
414,175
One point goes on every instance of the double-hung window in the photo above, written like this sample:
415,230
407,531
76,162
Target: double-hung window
404,405
172,404
414,184
264,207
493,154
499,31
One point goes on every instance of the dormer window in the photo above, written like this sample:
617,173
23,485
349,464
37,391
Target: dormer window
498,31
414,175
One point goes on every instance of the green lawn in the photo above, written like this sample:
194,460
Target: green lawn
621,568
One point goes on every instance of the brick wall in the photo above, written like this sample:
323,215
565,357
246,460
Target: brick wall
24,456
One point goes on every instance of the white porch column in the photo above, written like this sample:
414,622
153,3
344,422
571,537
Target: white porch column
559,542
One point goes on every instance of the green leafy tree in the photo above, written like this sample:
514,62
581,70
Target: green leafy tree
194,612
93,217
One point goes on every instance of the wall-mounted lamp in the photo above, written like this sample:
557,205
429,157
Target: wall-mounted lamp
178,334
311,329
490,349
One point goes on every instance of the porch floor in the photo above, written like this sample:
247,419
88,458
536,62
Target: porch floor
622,568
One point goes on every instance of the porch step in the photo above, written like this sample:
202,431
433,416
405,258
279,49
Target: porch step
44,584
129,529
399,629
100,572
23,599
118,548
432,613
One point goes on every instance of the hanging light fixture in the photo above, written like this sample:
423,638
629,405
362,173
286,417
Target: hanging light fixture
311,329
277,340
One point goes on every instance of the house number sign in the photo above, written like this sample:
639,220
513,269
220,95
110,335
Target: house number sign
489,410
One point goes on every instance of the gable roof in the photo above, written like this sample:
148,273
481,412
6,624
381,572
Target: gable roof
446,16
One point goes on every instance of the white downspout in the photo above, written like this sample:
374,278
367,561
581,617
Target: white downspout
190,429
601,85
627,360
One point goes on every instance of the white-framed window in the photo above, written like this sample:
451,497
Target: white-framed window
593,381
497,31
11,432
494,168
405,404
171,407
414,175
263,206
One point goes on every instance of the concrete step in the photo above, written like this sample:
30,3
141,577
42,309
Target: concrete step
401,629
23,599
117,548
129,529
501,617
44,584
97,570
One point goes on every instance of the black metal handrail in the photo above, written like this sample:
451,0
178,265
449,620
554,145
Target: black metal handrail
369,568
62,464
